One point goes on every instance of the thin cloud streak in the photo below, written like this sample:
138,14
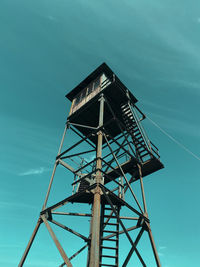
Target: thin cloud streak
33,171
162,247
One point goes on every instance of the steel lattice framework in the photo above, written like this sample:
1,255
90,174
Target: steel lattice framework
109,123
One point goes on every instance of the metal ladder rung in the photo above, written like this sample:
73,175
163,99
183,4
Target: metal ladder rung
108,256
103,264
109,231
111,217
104,247
112,224
109,239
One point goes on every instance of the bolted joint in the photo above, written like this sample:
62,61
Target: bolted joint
99,133
97,190
47,214
101,98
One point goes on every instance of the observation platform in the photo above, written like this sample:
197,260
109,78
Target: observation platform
130,167
87,196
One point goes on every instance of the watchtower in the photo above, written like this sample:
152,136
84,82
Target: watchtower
114,155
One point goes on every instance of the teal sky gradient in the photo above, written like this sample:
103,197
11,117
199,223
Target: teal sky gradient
46,48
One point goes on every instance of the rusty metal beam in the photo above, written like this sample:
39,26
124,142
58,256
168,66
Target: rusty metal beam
95,227
30,242
78,154
75,254
153,245
133,248
69,229
57,243
123,174
72,214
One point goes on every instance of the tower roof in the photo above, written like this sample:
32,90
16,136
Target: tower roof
103,68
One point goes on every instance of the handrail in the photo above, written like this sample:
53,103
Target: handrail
153,151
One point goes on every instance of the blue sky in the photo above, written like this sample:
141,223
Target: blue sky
46,48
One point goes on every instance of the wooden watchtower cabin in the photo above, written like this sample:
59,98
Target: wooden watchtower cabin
120,114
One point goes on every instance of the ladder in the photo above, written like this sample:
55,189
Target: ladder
109,248
132,126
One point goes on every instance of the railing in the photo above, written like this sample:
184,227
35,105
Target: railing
150,146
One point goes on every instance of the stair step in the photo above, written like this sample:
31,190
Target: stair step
107,209
138,134
140,142
141,145
136,131
141,151
133,126
125,107
145,155
104,247
138,148
128,122
139,139
128,114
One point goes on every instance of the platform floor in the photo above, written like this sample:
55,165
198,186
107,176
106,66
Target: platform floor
130,167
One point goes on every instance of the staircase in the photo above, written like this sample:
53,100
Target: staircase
109,237
132,126
83,185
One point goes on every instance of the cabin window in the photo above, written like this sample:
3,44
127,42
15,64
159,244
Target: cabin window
97,83
90,91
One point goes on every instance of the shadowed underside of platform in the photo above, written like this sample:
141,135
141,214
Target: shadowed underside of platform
130,167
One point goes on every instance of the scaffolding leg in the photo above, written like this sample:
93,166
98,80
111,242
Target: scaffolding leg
30,243
57,243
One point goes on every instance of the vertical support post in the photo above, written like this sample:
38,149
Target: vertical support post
154,247
95,227
148,225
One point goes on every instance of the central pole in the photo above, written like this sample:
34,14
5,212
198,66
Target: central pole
95,222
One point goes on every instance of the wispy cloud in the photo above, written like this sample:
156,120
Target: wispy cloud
33,171
52,18
161,250
162,247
